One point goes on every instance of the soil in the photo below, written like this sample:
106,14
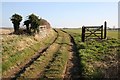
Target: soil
5,31
73,65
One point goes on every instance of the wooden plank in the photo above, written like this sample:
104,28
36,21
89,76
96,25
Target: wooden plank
102,32
92,26
99,29
105,27
90,33
83,34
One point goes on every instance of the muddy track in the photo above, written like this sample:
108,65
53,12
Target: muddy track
41,74
73,65
33,59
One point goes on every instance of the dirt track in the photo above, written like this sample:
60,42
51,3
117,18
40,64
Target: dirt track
72,67
16,72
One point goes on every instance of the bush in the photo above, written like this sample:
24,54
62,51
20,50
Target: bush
81,46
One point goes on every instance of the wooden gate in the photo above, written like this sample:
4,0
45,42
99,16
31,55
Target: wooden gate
94,32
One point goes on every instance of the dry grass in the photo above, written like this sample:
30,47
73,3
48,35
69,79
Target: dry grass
5,31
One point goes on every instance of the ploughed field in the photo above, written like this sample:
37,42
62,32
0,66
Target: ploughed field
59,55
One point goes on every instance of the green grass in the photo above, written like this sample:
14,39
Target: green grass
96,52
44,59
11,46
36,67
56,67
26,54
110,33
53,60
20,57
93,54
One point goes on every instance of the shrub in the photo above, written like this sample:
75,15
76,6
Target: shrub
16,19
81,45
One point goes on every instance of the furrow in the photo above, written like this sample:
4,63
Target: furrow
73,64
36,69
34,58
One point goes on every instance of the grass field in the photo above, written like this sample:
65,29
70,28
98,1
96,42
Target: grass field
19,51
98,58
110,33
35,57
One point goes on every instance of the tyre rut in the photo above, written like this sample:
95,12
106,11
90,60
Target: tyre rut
73,65
39,73
31,61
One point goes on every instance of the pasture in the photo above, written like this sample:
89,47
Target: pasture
110,33
98,59
60,55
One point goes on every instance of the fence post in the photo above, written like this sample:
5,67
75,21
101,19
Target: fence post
83,34
105,33
101,31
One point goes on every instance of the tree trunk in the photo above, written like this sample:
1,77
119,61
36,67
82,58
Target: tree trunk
16,28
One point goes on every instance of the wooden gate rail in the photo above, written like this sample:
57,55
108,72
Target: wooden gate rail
94,31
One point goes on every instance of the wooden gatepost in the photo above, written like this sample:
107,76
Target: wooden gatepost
97,31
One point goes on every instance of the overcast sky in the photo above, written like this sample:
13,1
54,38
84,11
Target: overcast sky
64,14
